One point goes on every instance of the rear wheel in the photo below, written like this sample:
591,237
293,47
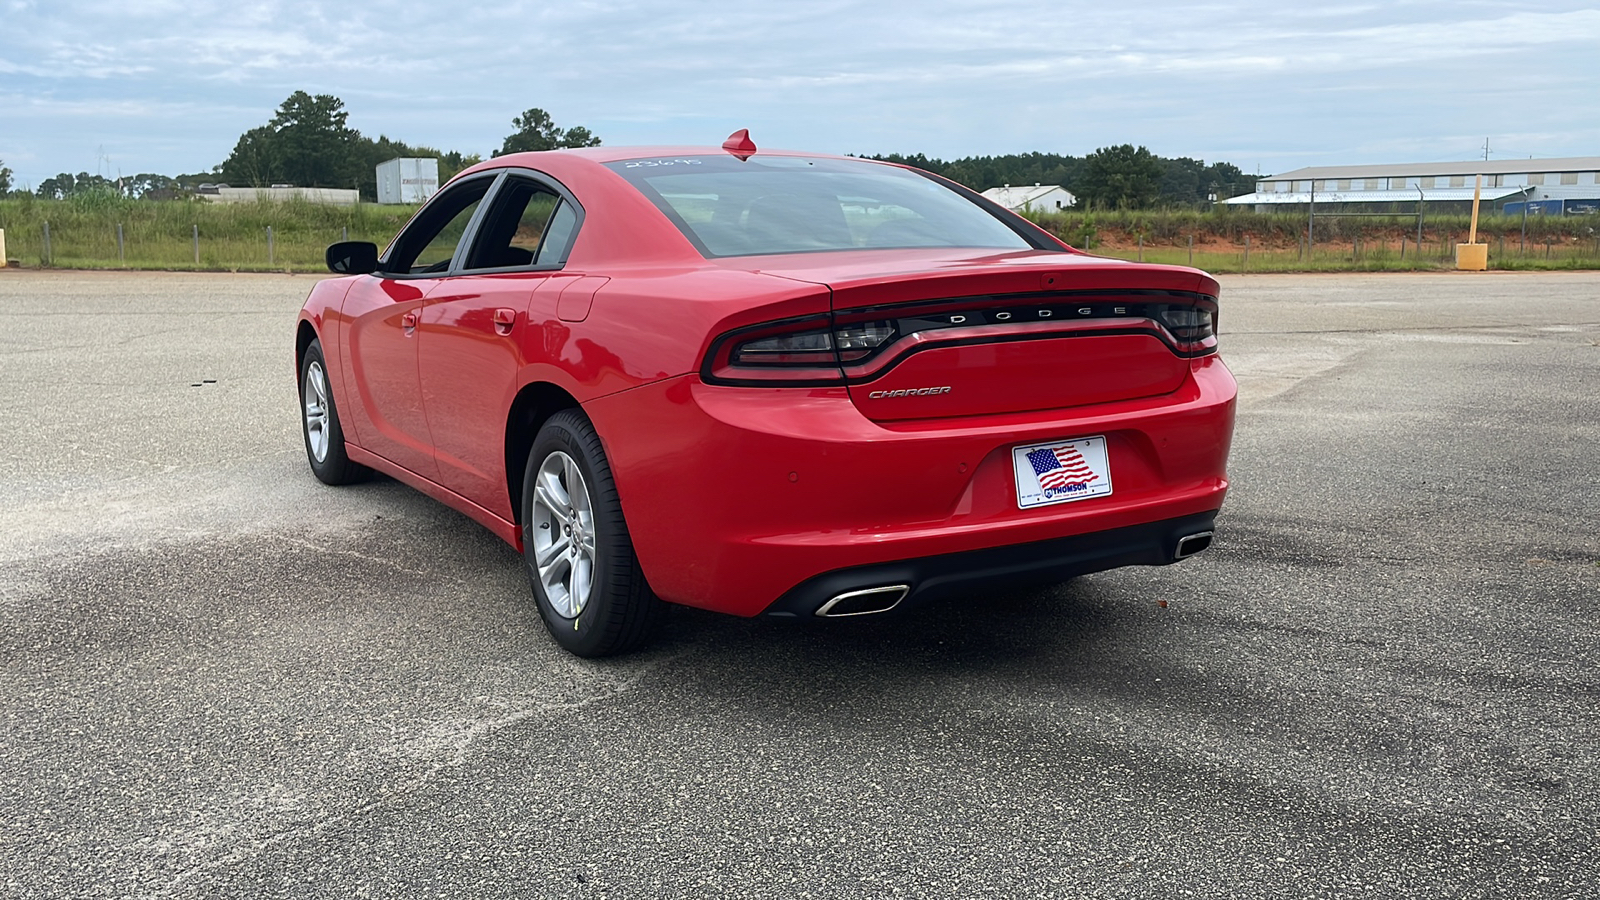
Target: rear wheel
586,579
319,423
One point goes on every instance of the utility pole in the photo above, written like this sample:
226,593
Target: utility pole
1485,149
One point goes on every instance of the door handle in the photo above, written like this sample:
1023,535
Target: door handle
408,321
503,320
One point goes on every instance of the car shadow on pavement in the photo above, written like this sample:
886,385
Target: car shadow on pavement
1097,637
1093,638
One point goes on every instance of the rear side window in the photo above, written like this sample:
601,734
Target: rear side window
527,225
558,235
796,205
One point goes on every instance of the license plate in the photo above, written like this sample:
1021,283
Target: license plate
1061,471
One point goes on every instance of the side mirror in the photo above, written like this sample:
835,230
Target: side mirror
353,258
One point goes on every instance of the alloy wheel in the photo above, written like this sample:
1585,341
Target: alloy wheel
563,534
315,396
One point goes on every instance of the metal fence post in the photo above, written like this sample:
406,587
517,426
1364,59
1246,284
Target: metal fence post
1191,249
1141,248
47,254
1421,197
197,245
1311,221
270,260
122,256
1246,252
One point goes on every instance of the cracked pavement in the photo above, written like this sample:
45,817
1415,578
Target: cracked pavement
219,677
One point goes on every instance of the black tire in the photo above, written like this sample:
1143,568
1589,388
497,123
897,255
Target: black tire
319,423
617,611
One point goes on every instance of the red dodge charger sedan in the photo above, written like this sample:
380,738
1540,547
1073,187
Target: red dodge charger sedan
766,382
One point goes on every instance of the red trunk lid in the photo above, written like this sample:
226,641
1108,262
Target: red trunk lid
1005,333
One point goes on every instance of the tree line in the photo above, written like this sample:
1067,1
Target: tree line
308,142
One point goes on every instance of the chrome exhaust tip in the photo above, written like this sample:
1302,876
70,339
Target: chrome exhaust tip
864,602
1190,544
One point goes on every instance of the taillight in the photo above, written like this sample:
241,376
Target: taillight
821,346
859,341
795,352
807,348
1193,328
820,350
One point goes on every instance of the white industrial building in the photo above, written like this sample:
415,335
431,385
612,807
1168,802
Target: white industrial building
407,179
1038,198
1570,185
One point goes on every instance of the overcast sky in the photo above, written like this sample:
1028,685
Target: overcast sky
166,86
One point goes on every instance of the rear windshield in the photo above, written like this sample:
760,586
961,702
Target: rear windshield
785,204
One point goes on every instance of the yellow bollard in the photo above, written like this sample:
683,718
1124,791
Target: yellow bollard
1473,256
2,248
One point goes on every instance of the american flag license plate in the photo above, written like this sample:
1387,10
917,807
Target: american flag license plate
1061,471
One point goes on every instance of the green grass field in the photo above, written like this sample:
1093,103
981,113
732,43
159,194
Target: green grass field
161,235
1343,244
1334,258
234,237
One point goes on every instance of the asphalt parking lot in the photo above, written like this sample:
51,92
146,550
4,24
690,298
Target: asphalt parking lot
222,678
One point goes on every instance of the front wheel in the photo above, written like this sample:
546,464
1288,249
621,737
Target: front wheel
586,578
319,423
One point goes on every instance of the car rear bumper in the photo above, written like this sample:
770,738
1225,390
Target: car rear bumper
935,577
736,497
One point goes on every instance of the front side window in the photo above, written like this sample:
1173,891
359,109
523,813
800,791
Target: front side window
429,242
780,204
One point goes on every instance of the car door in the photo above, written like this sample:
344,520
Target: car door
383,315
474,331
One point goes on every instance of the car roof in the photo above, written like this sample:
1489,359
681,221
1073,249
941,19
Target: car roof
563,158
605,154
